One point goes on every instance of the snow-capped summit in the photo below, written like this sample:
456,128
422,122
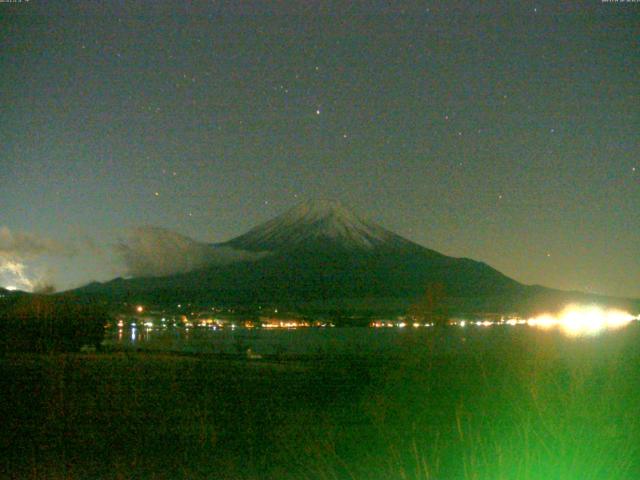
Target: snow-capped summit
314,222
321,256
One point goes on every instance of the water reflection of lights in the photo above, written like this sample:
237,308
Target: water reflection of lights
576,320
485,323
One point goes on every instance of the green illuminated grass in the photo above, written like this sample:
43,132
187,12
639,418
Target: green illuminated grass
534,406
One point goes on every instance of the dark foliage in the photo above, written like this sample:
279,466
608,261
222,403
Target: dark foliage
532,406
42,323
431,307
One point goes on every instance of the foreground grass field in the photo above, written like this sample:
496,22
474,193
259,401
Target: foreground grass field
535,406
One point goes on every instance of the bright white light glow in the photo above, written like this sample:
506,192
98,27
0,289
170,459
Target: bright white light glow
578,320
13,275
484,323
515,321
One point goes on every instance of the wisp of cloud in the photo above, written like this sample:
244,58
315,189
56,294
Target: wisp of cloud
156,252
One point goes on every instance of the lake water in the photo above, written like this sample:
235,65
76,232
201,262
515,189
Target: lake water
359,340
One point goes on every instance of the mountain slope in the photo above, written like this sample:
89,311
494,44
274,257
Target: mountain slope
318,224
321,253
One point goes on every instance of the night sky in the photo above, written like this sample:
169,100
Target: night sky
508,134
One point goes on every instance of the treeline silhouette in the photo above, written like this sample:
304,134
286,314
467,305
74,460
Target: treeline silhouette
431,306
43,323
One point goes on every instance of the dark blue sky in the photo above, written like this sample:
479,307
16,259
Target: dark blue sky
508,134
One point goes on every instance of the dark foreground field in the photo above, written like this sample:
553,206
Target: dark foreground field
535,407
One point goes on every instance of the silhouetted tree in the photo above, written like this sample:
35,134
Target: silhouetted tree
431,307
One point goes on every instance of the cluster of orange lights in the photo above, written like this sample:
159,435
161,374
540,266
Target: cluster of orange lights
285,324
389,324
573,320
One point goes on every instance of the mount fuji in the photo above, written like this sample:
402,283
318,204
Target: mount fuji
320,255
317,224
